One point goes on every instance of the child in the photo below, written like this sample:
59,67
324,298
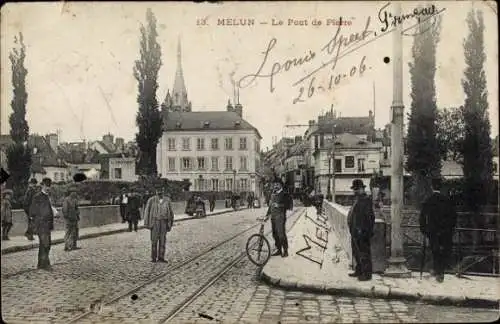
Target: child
6,211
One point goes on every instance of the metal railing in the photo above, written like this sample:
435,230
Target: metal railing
466,256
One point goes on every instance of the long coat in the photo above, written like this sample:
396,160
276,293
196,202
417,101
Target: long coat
6,211
133,208
70,210
41,212
158,210
438,215
361,218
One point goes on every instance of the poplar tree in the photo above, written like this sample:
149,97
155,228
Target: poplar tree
18,153
424,158
148,120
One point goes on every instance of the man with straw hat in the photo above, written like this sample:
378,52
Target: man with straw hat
6,211
71,215
159,218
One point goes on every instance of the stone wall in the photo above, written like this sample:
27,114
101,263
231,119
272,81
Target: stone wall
337,215
91,216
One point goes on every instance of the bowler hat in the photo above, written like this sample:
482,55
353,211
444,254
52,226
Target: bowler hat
357,183
46,182
33,181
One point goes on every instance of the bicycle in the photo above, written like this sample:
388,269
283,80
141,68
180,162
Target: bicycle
259,244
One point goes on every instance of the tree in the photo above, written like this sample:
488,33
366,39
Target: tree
149,120
477,148
424,159
450,133
18,154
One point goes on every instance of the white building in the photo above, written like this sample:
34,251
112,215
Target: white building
118,167
213,150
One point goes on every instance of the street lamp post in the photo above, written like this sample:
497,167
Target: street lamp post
331,169
397,262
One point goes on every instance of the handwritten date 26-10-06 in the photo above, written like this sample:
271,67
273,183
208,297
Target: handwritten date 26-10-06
334,80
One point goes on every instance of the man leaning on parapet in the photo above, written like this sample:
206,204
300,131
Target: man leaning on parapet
159,218
71,215
42,213
361,220
438,218
28,198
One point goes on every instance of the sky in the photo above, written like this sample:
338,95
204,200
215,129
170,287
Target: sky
80,58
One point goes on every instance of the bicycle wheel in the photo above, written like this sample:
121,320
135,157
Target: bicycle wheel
258,249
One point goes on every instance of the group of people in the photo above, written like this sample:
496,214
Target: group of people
130,208
438,219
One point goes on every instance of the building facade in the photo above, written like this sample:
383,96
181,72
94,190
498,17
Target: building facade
213,150
117,167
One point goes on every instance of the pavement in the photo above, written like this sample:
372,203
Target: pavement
318,264
20,243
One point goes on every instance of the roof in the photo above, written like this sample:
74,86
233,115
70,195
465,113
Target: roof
353,125
347,140
195,120
114,155
44,153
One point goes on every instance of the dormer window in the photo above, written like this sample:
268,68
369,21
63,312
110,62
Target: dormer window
237,123
178,125
206,124
362,142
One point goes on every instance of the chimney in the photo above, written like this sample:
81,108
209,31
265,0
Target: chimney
238,109
229,106
53,141
311,123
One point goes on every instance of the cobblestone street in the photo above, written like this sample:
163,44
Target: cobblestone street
111,266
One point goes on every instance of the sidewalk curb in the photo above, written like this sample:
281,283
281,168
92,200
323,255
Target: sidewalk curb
379,293
18,248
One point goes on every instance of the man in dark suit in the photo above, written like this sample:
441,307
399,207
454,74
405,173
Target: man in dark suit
438,218
133,211
278,204
361,220
28,198
123,205
42,215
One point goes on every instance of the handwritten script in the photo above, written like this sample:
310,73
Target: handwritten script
319,241
341,44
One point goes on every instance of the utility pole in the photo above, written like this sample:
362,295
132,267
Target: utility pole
397,262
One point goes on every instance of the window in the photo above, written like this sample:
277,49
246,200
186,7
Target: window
201,184
215,163
243,184
215,184
243,163
322,141
186,144
201,163
171,164
349,162
495,167
56,176
361,165
316,143
215,144
200,144
243,143
171,144
386,155
338,165
228,143
186,163
229,163
229,184
118,173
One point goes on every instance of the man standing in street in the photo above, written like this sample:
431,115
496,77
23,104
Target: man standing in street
42,214
6,212
28,198
71,215
211,201
277,210
361,220
123,205
438,218
159,218
133,211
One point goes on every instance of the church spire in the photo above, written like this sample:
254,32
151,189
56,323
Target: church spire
179,93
